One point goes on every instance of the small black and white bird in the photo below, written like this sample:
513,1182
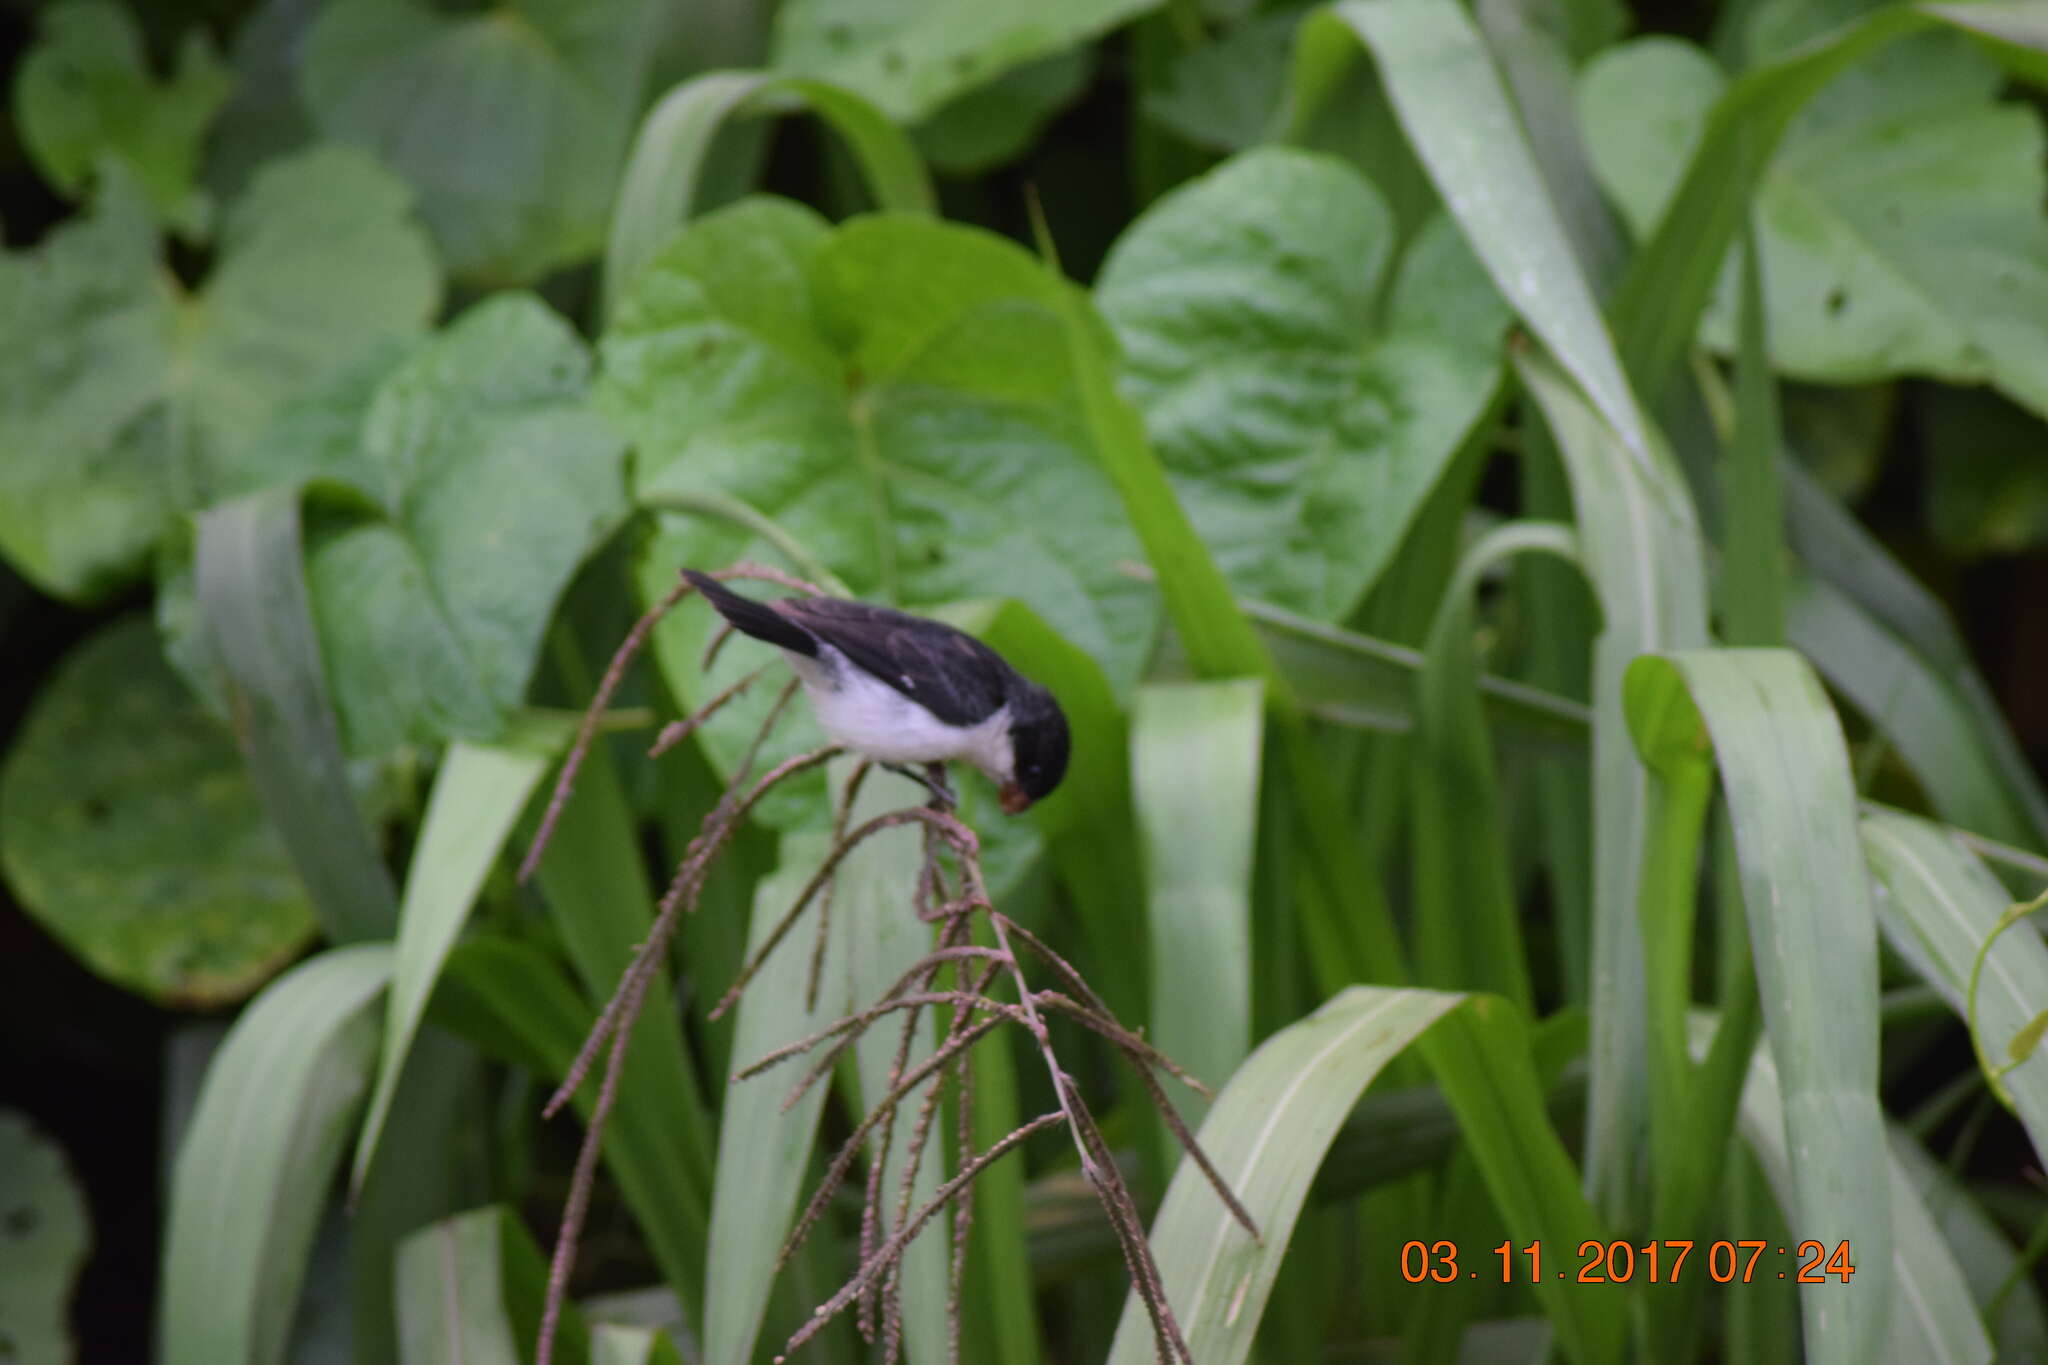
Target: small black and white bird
902,689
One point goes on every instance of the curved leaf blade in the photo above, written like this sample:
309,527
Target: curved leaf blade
477,796
1266,1135
259,1155
1195,767
1785,771
1456,112
252,591
659,190
1941,904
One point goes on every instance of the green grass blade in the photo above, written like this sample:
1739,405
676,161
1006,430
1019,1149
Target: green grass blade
273,1119
1195,768
1640,543
2019,1328
470,1289
1367,682
1267,1134
1467,924
250,576
1458,117
1785,772
1943,902
1753,558
1887,642
477,795
659,188
1927,1313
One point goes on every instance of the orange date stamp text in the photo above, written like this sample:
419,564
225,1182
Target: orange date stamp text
1743,1262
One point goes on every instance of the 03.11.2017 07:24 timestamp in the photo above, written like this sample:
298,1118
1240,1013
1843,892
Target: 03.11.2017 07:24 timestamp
1626,1262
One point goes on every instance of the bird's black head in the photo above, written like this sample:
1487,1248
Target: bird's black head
1038,746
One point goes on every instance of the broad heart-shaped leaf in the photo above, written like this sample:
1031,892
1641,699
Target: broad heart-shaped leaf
85,91
128,828
45,1233
1901,221
912,56
121,396
895,395
1302,422
510,121
487,480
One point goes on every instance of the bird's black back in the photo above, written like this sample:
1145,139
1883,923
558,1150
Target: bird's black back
956,677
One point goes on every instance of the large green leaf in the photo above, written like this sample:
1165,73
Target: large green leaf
896,396
1900,221
993,123
1657,308
1225,93
129,829
85,91
487,481
45,1235
510,122
1302,420
259,1155
121,396
912,56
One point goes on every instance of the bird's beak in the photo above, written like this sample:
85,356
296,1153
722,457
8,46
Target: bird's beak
1015,802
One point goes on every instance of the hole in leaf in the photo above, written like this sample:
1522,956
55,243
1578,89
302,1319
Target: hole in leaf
96,809
1838,299
21,1220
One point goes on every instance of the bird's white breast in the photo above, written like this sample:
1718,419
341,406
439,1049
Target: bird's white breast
872,718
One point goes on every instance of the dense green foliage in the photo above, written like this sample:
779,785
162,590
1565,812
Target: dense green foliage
1505,766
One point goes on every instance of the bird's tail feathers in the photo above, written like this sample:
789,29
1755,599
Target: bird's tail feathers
750,617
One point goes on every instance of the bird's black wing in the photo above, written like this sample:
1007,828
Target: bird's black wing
948,672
